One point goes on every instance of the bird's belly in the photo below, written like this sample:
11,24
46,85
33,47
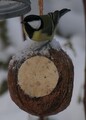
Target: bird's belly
39,36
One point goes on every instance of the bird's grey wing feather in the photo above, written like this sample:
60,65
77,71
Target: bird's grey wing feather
47,30
47,27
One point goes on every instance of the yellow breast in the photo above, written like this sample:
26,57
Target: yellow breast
39,36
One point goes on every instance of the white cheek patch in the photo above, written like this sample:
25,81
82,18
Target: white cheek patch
35,24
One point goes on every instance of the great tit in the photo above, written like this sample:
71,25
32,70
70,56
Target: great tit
42,28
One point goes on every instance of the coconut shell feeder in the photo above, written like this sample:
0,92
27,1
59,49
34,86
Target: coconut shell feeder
41,82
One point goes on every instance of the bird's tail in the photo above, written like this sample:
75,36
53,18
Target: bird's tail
63,11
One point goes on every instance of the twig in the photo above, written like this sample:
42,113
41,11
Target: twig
24,36
41,118
84,3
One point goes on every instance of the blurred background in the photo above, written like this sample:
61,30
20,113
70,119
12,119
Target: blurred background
71,36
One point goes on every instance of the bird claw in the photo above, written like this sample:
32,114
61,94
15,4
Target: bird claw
45,44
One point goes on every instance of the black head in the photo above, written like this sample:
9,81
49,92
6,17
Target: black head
30,29
32,18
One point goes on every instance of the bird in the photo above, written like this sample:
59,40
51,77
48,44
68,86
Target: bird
42,27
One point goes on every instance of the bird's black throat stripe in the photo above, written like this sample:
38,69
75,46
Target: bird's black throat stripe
29,30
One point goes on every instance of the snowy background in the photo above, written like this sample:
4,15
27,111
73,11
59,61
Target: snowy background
70,24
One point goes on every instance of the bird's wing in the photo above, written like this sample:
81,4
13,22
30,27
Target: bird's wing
48,25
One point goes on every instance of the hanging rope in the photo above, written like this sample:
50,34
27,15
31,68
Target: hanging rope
40,3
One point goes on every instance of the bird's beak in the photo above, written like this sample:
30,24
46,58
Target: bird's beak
63,11
22,22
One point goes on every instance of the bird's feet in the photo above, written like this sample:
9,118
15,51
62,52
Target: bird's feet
47,44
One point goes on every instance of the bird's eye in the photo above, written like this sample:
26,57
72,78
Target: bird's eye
35,24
